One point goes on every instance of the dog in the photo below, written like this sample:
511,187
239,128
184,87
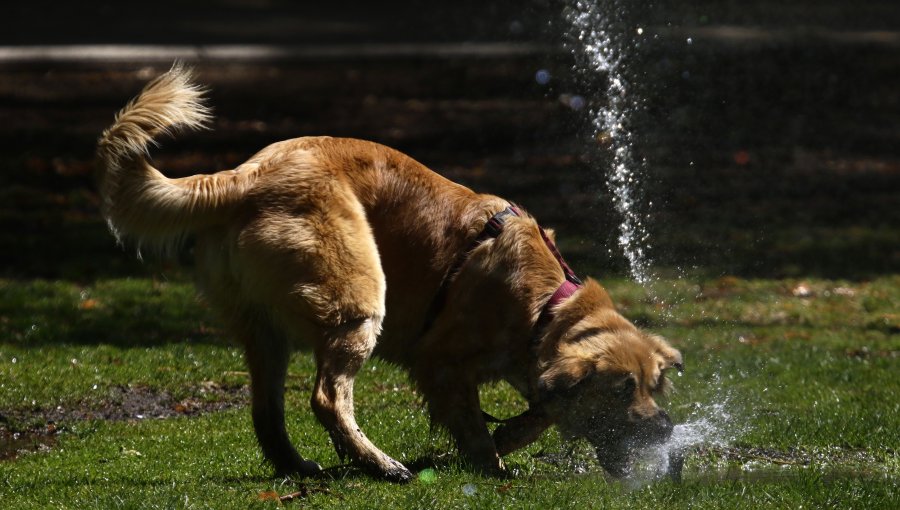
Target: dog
351,248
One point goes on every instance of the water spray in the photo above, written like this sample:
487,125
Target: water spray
597,38
601,37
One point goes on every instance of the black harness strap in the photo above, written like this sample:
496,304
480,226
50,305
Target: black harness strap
491,230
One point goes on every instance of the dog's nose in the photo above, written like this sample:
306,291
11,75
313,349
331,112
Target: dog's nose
664,423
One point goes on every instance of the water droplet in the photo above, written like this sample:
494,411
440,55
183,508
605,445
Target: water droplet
690,41
576,102
542,76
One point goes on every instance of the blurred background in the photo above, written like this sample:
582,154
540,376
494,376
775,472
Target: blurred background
768,132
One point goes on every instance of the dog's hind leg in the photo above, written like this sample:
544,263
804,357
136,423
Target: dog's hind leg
339,358
312,260
267,355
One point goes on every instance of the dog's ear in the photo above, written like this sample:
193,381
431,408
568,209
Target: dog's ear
671,357
551,234
564,374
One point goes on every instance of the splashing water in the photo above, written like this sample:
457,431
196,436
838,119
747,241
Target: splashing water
597,39
715,425
708,425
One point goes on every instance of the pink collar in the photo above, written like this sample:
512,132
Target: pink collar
572,283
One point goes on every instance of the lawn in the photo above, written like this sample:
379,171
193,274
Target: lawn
122,393
769,153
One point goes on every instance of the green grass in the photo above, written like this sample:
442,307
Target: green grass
808,370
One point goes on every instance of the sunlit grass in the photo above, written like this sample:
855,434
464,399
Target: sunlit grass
807,368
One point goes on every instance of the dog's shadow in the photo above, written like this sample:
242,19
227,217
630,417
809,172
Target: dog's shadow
349,471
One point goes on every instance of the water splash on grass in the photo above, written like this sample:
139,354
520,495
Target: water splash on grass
707,425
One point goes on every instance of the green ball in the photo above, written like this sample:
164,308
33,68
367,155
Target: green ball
427,475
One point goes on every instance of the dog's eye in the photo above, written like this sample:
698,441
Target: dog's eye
625,389
663,386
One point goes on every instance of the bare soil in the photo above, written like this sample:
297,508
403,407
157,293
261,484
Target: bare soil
24,430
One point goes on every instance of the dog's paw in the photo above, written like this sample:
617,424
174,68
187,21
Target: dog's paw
520,431
496,469
397,472
309,468
300,468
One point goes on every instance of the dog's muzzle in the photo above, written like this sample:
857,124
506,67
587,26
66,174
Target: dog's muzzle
655,430
616,457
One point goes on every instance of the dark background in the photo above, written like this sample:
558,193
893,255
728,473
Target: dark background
771,141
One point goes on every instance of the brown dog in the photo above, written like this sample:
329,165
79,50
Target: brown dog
313,240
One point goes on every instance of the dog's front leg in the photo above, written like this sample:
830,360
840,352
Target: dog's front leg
522,430
454,405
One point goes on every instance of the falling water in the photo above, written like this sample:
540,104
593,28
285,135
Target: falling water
602,39
598,40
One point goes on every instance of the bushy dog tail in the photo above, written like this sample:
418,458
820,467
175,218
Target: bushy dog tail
138,201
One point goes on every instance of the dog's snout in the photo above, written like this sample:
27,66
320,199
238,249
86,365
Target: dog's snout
654,429
662,415
664,424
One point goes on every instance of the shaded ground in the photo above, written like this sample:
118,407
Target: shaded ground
741,180
771,155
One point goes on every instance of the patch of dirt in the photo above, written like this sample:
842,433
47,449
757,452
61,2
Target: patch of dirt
29,430
141,402
13,444
865,353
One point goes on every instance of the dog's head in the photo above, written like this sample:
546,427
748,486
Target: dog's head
600,376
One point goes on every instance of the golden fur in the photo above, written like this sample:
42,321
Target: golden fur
341,245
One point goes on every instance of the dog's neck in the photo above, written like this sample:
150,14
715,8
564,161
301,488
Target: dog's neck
492,229
566,289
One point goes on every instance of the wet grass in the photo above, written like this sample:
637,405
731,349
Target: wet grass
806,369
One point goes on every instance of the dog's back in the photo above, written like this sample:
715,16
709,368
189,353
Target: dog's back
419,220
